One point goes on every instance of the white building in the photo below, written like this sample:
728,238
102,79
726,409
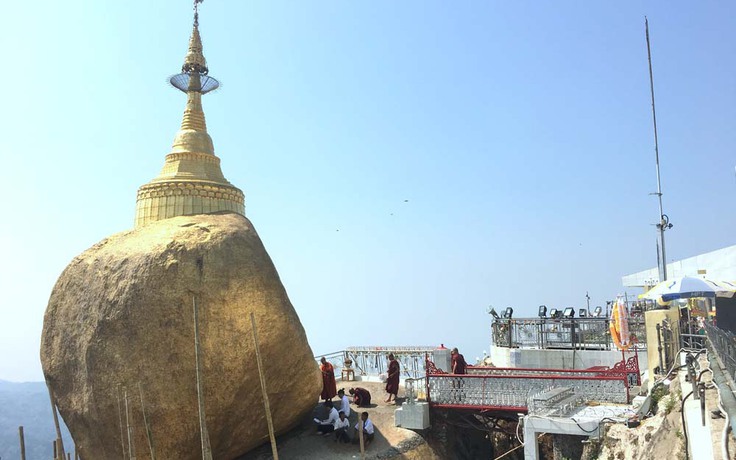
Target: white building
715,265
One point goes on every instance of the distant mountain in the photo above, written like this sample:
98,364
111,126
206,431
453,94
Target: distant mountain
27,404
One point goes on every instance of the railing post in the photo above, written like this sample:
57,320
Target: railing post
540,342
573,322
426,377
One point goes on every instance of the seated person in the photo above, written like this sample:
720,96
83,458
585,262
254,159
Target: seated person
368,430
341,428
328,425
361,396
345,403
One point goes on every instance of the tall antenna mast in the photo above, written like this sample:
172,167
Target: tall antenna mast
664,220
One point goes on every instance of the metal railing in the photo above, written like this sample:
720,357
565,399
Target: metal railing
562,333
509,388
511,392
724,346
373,361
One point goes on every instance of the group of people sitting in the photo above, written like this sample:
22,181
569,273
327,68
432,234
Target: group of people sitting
337,421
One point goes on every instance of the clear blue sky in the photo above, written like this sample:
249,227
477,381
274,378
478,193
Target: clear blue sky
519,132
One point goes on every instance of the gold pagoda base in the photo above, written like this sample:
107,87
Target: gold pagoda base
162,200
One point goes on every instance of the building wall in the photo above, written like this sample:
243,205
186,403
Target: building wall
717,265
558,359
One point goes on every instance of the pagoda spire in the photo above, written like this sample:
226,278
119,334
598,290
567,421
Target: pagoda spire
191,181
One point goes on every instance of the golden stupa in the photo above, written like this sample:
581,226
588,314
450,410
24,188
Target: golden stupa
191,181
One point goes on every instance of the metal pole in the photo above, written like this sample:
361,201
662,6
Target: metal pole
206,450
663,219
659,348
263,389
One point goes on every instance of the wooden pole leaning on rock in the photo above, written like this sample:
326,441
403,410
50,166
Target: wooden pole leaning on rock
22,443
266,405
59,452
361,425
120,419
206,449
131,444
149,435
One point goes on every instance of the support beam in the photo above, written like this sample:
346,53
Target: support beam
554,425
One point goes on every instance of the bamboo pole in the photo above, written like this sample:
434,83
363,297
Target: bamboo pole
131,446
266,405
22,443
361,424
206,449
149,435
120,419
59,452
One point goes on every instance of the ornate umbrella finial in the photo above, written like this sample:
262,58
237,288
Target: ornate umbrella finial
193,76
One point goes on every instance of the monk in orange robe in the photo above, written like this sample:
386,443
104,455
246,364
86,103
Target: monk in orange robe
329,387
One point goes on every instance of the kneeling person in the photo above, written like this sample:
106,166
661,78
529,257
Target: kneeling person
368,430
361,396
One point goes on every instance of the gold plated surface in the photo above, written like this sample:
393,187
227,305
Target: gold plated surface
191,181
195,56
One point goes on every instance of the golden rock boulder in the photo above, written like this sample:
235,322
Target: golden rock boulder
119,328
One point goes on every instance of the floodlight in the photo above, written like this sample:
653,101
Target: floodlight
598,310
582,313
543,311
569,313
555,313
493,313
508,313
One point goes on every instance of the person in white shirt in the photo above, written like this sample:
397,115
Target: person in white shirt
341,428
328,425
368,430
345,404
